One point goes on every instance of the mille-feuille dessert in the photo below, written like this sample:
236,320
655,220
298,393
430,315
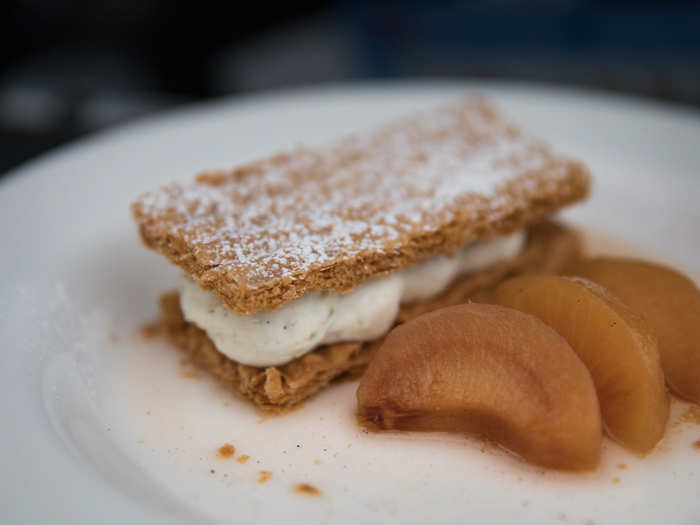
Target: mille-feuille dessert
296,265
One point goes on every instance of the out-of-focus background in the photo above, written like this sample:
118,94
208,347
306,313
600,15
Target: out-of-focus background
70,68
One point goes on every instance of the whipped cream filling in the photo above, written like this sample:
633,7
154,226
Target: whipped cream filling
267,338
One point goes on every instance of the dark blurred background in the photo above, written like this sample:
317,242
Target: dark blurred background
69,68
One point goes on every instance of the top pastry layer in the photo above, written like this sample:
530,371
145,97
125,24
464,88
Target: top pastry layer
333,217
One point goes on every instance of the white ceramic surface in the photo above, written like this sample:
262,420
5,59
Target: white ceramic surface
100,426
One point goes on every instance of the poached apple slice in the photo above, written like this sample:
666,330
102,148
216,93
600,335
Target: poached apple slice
486,370
617,346
669,302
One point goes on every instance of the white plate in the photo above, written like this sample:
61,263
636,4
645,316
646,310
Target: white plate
100,427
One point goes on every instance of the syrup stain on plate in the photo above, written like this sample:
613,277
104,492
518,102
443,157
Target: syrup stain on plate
306,489
691,415
226,451
264,476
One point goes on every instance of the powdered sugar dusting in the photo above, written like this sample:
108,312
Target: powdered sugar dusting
294,212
